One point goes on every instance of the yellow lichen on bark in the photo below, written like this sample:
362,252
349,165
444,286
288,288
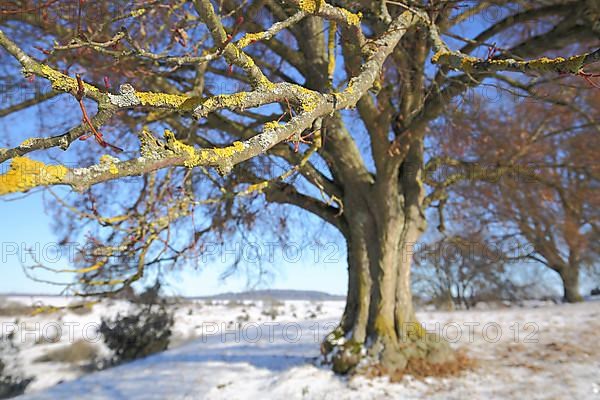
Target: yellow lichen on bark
384,326
351,18
27,143
257,187
438,55
249,38
544,64
349,89
271,125
183,103
265,84
103,283
467,63
111,162
94,267
226,152
193,158
310,6
225,100
310,100
137,13
25,174
62,82
331,50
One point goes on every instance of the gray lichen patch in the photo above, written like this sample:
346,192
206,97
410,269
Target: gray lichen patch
125,98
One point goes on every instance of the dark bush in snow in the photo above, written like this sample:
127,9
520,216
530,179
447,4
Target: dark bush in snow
11,383
138,334
11,386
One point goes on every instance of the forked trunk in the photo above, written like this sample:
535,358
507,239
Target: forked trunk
379,322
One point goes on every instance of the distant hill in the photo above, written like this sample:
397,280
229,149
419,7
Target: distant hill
276,294
267,294
12,294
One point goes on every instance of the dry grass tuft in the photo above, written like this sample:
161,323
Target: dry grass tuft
76,353
14,309
420,368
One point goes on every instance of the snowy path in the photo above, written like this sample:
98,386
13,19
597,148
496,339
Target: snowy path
556,358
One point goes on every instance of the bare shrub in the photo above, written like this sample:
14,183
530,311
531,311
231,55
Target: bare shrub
461,271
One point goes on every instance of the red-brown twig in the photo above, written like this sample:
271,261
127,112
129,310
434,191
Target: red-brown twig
588,78
492,51
238,22
93,131
299,138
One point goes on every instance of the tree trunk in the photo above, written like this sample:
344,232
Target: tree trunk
570,278
379,322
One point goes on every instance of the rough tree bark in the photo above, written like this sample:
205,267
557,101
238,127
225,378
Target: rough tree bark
384,221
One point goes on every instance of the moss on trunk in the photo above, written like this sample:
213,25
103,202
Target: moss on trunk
379,327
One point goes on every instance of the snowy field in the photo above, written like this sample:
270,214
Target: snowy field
540,351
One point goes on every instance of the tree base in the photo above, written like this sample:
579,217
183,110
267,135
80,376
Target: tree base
421,368
387,356
572,296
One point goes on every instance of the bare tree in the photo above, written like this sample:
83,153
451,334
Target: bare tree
461,270
538,185
296,67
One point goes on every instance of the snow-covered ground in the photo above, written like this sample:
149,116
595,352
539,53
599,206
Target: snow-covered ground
546,352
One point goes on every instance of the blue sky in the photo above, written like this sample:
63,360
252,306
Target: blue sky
26,226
